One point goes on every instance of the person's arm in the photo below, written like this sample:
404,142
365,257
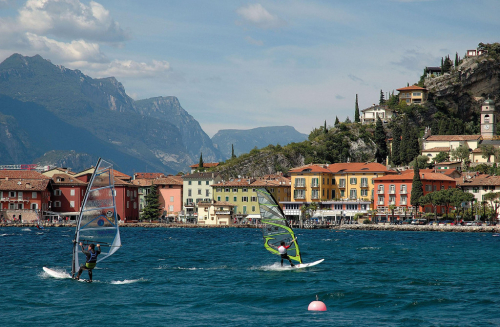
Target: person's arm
98,251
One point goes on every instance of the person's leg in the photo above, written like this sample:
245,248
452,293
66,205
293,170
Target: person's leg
90,274
82,268
291,263
281,262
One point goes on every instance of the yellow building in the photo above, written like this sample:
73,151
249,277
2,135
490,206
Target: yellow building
412,94
216,213
340,181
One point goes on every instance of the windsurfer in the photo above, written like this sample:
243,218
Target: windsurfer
91,261
283,253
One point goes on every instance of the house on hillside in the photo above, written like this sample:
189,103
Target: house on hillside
413,94
370,114
206,165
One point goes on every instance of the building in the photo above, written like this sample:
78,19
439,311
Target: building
197,187
413,94
169,190
241,193
434,144
148,175
207,165
395,190
333,211
433,71
369,115
67,195
216,213
476,52
24,195
479,184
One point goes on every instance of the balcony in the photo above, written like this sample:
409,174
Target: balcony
299,196
341,185
392,191
189,204
403,192
364,184
224,212
380,191
314,185
314,196
299,185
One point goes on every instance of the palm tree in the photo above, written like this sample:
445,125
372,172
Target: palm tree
392,207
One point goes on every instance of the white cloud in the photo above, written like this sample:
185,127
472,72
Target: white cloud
70,19
253,41
130,68
257,15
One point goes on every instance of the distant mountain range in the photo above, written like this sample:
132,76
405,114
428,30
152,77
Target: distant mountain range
53,115
245,140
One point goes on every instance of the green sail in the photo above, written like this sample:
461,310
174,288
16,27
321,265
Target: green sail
275,227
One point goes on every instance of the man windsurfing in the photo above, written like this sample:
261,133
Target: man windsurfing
282,249
91,260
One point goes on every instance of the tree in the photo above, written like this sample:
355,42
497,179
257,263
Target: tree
430,199
152,209
324,128
405,141
232,151
417,190
382,98
488,151
457,61
392,207
462,154
441,157
413,150
356,111
447,64
337,122
396,144
421,162
347,120
495,204
200,164
380,142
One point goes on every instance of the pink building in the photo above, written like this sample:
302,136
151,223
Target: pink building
170,194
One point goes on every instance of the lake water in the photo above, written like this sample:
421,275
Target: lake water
225,277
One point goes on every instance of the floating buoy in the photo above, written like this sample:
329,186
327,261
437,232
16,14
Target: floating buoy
316,305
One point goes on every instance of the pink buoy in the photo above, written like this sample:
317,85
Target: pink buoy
316,305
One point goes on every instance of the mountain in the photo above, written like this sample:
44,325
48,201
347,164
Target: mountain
245,140
101,119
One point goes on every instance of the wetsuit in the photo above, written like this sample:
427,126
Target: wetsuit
90,262
283,254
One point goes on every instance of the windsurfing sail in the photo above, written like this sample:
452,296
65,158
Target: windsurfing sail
98,221
275,227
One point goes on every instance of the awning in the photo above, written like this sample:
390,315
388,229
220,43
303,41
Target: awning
253,216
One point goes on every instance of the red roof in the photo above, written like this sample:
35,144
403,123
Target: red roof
148,175
412,88
347,167
24,185
453,138
438,149
24,174
312,168
425,175
205,165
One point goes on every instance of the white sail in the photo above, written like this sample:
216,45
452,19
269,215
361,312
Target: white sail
98,221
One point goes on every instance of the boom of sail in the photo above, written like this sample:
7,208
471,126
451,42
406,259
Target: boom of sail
98,221
275,227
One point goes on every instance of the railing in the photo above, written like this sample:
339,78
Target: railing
299,196
364,184
314,185
403,192
300,185
341,185
380,191
392,191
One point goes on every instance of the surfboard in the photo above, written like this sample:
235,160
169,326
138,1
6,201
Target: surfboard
60,274
305,265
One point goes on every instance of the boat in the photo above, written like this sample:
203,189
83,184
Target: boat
275,229
98,220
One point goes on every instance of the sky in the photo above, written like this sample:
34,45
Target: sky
244,64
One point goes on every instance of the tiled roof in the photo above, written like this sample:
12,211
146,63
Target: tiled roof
205,165
66,179
120,175
352,167
217,204
121,182
412,88
313,168
477,150
148,175
241,182
169,180
438,149
481,180
142,182
24,185
453,138
425,175
25,174
383,107
200,175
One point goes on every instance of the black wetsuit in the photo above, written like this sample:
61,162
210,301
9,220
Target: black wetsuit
90,262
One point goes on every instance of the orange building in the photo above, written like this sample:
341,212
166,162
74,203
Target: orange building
395,190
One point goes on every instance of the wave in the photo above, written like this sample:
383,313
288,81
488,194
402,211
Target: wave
26,230
275,267
127,281
370,248
7,235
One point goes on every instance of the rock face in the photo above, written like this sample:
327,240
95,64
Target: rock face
464,88
111,125
245,140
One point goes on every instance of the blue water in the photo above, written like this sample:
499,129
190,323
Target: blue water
224,277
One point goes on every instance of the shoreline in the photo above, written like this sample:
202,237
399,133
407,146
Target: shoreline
371,227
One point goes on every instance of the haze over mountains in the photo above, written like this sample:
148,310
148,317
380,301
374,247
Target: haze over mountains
54,115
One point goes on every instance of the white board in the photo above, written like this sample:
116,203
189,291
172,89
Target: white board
305,265
59,274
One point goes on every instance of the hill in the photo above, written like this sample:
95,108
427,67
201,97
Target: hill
245,140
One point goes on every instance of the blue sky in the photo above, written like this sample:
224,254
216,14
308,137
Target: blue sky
246,64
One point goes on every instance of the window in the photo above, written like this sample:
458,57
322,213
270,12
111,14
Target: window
20,206
403,189
244,199
135,205
218,198
342,182
244,190
363,207
199,191
435,188
72,193
272,190
12,206
314,194
392,199
199,182
364,182
380,200
428,188
380,189
56,193
404,200
315,182
171,199
207,192
333,181
128,204
244,209
364,192
57,204
33,195
189,182
392,189
353,181
299,194
226,190
128,193
253,208
71,204
342,193
189,193
353,194
227,199
34,206
300,182
235,190
417,94
235,198
337,206
333,194
19,195
219,190
207,183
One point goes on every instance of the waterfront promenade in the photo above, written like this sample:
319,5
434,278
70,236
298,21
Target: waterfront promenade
370,227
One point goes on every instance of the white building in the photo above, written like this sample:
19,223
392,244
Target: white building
369,115
195,188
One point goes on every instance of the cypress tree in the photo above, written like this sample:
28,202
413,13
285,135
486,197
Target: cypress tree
442,65
232,151
417,190
396,145
405,141
356,111
457,61
443,127
413,150
324,128
380,142
200,164
337,122
382,98
152,209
